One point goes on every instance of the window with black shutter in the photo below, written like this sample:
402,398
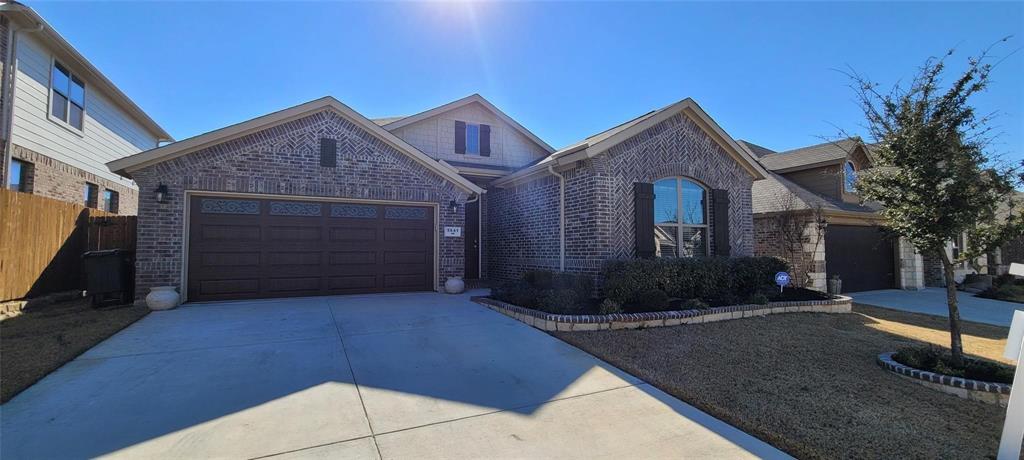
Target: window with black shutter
328,152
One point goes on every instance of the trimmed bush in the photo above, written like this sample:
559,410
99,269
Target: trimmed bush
561,293
693,304
759,299
609,307
649,300
714,280
934,359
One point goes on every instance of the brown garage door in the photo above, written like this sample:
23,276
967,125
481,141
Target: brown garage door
863,257
246,248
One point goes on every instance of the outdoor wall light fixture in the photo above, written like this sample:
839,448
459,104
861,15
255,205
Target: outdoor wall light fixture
454,205
160,193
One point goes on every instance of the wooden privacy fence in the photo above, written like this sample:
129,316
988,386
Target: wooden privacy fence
42,241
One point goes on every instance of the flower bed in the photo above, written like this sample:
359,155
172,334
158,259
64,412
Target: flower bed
556,322
988,392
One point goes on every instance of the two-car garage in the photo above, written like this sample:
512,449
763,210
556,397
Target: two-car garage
246,247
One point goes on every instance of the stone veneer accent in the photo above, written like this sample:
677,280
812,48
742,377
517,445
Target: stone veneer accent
987,392
284,160
554,322
911,266
523,221
61,181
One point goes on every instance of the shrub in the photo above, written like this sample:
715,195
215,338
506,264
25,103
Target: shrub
934,359
649,300
609,307
759,299
562,293
693,304
716,280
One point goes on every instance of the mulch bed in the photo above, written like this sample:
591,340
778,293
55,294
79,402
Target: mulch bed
809,384
40,340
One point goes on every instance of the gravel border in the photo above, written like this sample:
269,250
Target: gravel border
555,322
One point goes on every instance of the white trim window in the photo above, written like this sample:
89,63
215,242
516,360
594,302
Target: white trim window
680,218
849,177
67,97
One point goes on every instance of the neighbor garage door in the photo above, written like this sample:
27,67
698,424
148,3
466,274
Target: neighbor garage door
863,257
246,248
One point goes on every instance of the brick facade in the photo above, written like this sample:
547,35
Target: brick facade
777,236
524,219
54,179
284,160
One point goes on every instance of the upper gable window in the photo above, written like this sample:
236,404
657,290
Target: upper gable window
472,139
67,96
849,178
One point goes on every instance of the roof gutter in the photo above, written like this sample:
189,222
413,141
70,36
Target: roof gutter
10,73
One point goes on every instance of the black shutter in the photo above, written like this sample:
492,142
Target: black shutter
485,140
720,225
643,210
460,137
328,152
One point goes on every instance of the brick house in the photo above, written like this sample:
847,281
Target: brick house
62,120
806,210
318,199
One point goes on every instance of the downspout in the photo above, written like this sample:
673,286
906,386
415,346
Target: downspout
561,217
11,74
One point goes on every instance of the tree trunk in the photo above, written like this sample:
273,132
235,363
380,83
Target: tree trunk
956,345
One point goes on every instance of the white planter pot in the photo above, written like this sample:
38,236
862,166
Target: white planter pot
162,298
454,285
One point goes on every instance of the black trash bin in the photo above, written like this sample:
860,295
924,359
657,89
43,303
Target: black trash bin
108,275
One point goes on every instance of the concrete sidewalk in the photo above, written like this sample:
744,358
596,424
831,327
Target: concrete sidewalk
932,301
384,376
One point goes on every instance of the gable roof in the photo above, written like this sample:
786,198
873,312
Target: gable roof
604,140
385,120
775,194
92,75
755,149
406,121
809,157
125,166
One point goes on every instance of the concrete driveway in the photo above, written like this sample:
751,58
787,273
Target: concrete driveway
385,376
932,301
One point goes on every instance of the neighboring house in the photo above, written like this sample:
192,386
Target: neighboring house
61,120
810,192
317,199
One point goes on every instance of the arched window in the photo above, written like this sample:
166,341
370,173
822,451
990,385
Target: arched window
680,218
849,178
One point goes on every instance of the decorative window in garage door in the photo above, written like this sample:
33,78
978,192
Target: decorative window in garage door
294,208
405,213
354,211
223,206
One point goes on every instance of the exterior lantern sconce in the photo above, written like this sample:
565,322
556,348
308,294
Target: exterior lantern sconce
454,205
160,194
822,224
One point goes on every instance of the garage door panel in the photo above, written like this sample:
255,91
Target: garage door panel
863,257
280,248
294,233
347,258
353,234
229,232
352,282
278,285
294,258
214,259
233,287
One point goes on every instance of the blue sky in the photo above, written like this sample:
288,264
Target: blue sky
765,71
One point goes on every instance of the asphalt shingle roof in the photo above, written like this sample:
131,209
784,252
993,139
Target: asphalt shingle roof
806,156
757,150
385,120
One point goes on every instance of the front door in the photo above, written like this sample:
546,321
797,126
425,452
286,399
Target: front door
473,240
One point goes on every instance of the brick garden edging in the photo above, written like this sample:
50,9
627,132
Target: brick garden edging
987,392
552,322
